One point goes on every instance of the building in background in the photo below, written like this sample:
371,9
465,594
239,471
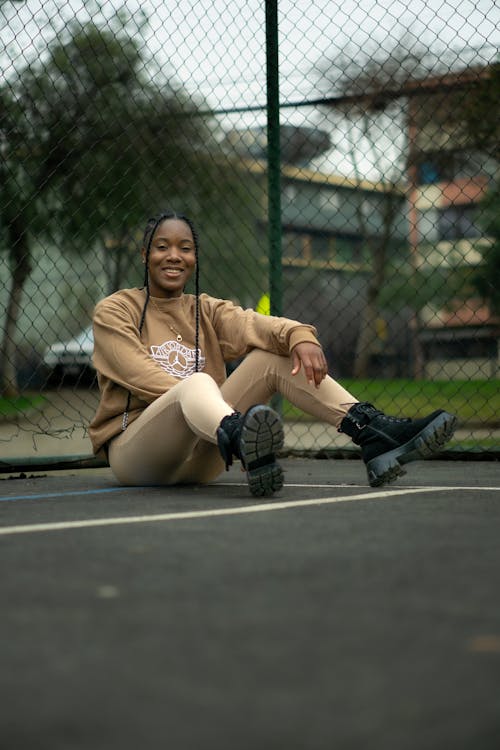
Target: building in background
328,223
448,179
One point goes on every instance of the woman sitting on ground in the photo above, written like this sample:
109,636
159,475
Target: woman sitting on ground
169,415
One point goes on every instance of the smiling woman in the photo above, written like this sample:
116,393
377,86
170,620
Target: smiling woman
169,415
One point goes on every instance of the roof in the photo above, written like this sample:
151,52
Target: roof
472,312
259,166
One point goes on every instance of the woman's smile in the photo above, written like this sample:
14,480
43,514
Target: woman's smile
172,271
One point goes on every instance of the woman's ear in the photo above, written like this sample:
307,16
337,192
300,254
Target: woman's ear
143,254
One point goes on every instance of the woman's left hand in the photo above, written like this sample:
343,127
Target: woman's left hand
312,358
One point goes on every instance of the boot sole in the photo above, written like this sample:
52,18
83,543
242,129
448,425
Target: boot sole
261,438
387,467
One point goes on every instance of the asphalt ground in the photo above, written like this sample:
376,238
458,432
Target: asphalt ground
330,616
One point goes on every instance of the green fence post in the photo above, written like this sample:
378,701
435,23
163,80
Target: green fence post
274,170
273,158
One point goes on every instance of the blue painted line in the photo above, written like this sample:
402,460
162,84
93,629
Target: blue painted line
64,494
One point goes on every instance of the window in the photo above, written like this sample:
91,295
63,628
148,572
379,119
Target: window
428,222
349,249
290,192
447,166
458,222
328,200
292,245
461,347
428,173
323,247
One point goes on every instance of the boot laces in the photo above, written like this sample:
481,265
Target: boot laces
386,418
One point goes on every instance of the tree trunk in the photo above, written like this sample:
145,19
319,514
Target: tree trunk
21,268
366,338
114,254
378,251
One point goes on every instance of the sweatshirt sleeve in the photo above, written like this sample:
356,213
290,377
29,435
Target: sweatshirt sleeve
239,330
120,355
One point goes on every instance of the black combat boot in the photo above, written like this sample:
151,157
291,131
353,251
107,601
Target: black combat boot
254,438
388,442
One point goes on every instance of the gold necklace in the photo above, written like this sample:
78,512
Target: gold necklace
174,330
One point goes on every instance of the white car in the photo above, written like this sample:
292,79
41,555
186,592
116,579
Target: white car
71,357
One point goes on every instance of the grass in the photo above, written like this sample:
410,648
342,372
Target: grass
480,444
19,406
473,401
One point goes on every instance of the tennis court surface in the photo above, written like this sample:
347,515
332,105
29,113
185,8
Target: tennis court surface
330,616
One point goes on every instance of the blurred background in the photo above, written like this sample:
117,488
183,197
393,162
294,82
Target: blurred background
340,161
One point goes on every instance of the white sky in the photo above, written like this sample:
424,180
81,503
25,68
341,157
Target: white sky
216,48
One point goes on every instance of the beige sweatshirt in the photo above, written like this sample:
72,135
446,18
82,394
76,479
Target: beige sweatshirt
149,365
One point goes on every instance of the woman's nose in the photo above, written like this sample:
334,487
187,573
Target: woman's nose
174,252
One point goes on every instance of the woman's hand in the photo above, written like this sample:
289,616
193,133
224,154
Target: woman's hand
311,357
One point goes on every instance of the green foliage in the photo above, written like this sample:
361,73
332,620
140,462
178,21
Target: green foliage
140,147
481,112
99,145
95,140
105,140
481,115
422,287
486,278
233,264
473,401
13,408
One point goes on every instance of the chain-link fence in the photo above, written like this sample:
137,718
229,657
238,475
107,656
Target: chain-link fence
340,162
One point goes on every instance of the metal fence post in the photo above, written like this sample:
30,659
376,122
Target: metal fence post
273,158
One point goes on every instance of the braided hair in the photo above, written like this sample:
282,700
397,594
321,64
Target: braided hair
149,232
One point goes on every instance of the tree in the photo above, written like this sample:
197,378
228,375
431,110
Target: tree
371,117
481,114
110,136
486,277
408,111
92,146
15,212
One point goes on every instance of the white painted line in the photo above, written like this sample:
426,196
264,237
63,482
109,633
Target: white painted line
217,512
349,486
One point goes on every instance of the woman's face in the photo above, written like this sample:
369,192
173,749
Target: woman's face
172,258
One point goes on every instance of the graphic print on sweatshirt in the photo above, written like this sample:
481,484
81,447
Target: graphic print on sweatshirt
176,359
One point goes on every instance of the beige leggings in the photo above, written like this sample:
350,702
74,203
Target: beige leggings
174,439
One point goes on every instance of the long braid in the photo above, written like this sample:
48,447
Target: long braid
151,227
197,309
149,233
